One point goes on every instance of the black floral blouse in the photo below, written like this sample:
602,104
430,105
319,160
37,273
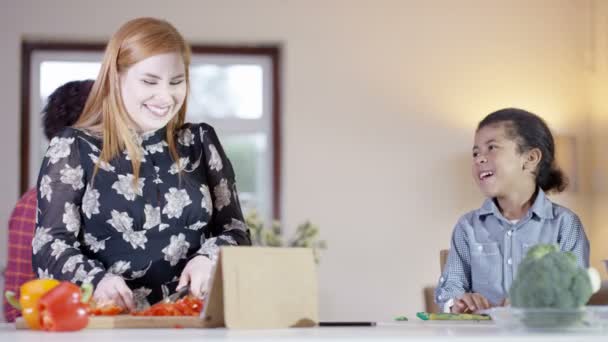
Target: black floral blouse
147,232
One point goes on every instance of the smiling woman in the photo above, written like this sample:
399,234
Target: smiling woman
152,98
131,199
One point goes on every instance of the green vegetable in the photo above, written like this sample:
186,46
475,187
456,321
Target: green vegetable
540,251
425,316
550,279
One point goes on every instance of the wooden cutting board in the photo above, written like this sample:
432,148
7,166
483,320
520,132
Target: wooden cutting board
132,322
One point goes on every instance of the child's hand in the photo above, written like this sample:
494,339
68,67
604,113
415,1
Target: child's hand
470,302
505,302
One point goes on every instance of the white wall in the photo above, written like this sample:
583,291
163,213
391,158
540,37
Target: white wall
381,98
599,136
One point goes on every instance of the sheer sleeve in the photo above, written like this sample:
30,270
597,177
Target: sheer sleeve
56,249
227,226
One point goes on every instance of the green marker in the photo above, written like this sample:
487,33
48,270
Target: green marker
401,318
425,316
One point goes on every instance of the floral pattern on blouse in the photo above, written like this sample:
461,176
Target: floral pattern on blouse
143,229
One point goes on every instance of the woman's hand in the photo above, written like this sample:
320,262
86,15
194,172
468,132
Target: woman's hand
470,302
197,272
112,289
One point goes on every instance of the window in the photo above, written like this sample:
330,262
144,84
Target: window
234,89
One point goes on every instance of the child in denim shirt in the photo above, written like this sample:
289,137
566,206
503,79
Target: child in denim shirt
514,166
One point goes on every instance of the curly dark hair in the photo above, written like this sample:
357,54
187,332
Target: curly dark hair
64,106
529,131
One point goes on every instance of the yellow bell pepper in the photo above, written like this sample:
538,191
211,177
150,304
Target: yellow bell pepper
30,293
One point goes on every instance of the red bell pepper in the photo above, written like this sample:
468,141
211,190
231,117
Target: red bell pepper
65,308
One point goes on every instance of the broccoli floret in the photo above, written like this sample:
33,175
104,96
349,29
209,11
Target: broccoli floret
540,250
548,278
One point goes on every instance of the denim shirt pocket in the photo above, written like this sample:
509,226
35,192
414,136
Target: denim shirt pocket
486,263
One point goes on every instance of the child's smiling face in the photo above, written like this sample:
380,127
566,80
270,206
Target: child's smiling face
498,165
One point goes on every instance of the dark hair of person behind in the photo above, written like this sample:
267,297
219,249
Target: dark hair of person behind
530,131
64,106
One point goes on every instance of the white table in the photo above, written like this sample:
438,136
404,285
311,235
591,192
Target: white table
402,331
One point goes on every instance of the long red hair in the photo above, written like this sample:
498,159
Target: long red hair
104,112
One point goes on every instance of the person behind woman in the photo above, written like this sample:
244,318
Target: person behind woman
513,165
64,106
131,199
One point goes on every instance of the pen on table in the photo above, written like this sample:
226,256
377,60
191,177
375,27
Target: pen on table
347,324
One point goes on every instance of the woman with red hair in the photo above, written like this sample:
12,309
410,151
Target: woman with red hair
131,199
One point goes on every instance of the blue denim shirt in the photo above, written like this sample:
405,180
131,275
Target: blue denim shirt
486,248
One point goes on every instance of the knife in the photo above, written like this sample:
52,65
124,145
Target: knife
178,294
182,292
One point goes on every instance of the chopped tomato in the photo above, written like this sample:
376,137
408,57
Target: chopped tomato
106,310
187,306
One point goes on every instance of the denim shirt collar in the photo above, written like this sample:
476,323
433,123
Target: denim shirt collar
542,207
